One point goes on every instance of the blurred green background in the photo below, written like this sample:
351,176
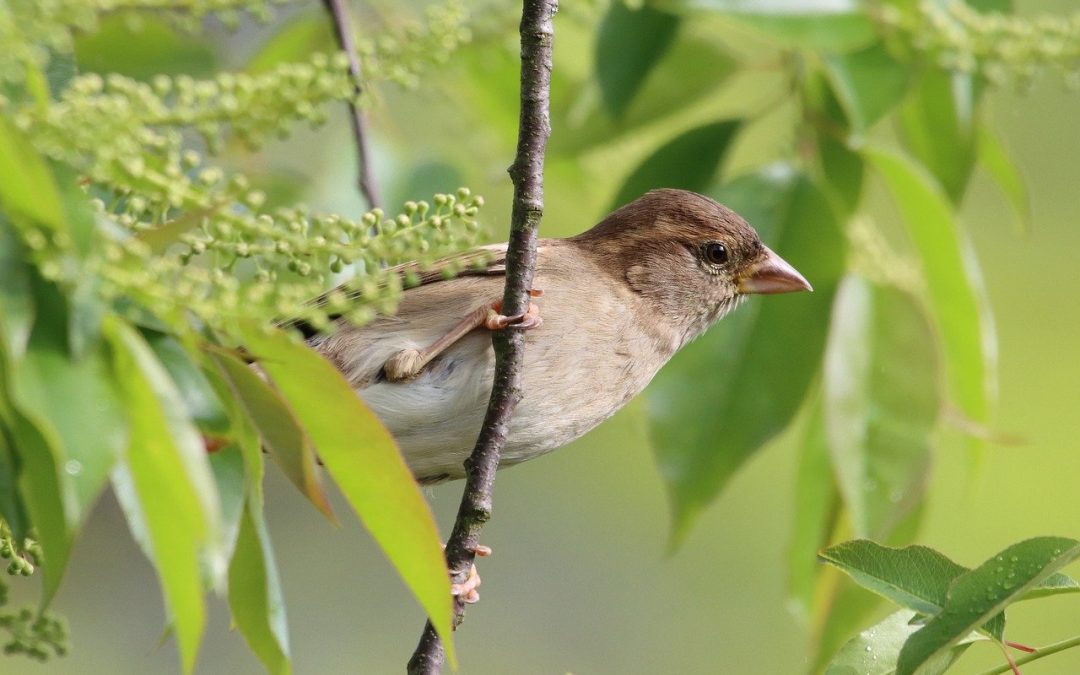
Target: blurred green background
580,581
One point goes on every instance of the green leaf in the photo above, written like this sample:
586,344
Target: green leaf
1055,584
630,42
875,650
995,159
869,83
761,360
688,161
28,188
817,505
835,25
937,125
295,41
78,402
688,73
173,483
953,282
278,427
840,168
200,399
16,297
227,466
880,409
40,487
255,598
984,592
361,456
915,577
152,47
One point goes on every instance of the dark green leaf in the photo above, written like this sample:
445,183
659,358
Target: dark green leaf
937,125
985,592
361,456
869,84
955,287
629,44
995,159
173,483
875,650
688,161
255,593
278,427
880,402
762,358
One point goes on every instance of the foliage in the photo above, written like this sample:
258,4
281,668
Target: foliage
133,269
139,270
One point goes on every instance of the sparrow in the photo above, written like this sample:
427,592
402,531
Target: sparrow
617,302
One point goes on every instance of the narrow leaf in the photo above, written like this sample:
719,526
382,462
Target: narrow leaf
952,280
995,159
361,456
278,427
173,483
255,593
42,494
937,125
984,592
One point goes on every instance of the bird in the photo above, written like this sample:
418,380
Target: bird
612,305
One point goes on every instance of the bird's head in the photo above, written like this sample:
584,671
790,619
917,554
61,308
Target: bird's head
692,257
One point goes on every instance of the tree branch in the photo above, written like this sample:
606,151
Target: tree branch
527,174
339,15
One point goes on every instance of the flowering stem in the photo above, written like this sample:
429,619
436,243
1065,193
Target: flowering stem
369,189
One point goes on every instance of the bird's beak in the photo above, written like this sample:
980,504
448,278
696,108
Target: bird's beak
772,274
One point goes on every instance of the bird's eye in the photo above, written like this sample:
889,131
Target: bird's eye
716,253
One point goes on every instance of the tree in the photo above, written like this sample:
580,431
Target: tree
137,274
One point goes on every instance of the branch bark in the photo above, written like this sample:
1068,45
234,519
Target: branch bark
339,16
527,174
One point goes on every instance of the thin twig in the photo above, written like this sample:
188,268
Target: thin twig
1036,655
369,189
527,174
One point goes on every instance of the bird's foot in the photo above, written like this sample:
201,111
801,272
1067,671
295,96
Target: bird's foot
495,320
466,590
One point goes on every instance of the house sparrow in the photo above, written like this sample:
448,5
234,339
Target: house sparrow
618,301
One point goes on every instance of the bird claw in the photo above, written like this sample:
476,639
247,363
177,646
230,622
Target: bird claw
466,590
527,321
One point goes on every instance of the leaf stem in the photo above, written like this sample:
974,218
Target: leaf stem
527,174
369,189
1036,655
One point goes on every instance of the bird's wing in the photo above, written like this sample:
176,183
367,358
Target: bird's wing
483,261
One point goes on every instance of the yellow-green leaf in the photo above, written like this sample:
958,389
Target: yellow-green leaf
173,484
362,458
